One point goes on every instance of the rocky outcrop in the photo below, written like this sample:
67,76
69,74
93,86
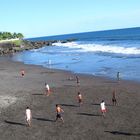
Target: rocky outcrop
10,47
6,48
36,44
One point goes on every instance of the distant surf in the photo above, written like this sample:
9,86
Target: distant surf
100,48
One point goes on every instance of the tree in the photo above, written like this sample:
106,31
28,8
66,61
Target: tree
20,36
8,35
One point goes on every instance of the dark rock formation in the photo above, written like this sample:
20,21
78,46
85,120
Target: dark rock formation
10,47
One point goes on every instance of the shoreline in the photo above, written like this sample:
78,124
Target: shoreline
83,122
86,74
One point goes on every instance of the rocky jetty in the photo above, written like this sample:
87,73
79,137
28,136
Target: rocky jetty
11,47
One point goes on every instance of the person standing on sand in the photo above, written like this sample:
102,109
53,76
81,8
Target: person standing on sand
103,108
118,76
59,110
79,98
114,100
22,73
28,116
47,89
77,81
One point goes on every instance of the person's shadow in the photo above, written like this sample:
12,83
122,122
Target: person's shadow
43,119
88,114
37,94
122,133
69,105
14,123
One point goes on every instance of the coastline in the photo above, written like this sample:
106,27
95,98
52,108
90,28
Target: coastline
80,123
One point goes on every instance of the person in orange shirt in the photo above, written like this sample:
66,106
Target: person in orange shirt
59,110
79,98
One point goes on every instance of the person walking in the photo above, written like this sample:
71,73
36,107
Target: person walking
28,116
47,89
114,100
79,98
103,108
22,73
77,81
59,110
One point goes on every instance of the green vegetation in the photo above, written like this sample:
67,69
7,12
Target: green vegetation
8,35
17,42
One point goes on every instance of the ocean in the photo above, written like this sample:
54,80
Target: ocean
102,53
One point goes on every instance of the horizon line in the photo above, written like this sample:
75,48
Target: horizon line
84,32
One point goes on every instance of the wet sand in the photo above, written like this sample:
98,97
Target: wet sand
122,122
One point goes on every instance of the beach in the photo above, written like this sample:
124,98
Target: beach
121,122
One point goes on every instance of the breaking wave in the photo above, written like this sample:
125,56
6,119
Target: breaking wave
91,47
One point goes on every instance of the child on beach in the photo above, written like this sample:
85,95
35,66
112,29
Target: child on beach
47,89
28,116
114,100
103,108
59,110
22,73
79,98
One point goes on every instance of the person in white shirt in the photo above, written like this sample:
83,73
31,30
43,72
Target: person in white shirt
103,108
47,89
79,98
28,116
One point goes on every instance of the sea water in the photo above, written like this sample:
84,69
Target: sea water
101,53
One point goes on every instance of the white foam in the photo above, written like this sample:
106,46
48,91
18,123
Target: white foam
100,48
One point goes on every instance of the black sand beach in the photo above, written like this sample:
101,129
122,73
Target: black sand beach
122,122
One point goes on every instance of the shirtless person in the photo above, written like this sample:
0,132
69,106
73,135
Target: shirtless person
114,101
22,73
77,81
47,89
28,116
79,98
58,113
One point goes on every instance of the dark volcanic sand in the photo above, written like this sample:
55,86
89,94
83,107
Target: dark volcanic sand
122,122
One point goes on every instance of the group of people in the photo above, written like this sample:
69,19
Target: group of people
59,110
28,115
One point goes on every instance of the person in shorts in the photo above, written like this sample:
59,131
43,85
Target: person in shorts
47,89
59,110
118,76
79,98
103,108
22,73
28,116
77,81
114,100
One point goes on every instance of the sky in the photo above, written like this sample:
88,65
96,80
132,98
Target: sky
36,18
